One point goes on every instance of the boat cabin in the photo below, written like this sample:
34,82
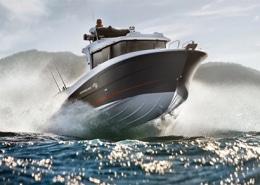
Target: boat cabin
113,42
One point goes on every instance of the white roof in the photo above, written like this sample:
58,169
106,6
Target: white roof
104,42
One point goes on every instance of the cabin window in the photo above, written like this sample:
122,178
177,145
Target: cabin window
124,47
101,56
137,45
118,49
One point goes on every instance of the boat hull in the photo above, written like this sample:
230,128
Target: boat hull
138,87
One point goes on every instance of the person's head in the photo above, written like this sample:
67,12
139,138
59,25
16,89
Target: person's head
99,23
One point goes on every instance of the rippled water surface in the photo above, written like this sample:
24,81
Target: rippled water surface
51,159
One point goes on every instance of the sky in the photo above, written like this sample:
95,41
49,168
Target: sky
228,30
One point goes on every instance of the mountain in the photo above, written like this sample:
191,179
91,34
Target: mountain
226,73
69,65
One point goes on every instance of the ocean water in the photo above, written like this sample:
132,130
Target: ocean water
213,138
51,159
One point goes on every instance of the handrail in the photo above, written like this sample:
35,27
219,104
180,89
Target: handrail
174,42
183,45
190,45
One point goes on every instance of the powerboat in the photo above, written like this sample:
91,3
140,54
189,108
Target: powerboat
132,77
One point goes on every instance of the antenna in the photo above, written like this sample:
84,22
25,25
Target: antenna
92,12
93,19
64,85
54,80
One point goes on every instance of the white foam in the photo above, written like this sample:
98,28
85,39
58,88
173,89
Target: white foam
213,108
27,99
73,120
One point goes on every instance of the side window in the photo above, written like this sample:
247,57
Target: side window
159,44
118,49
137,45
101,56
144,44
124,47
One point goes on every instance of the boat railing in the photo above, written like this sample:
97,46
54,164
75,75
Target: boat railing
178,41
190,45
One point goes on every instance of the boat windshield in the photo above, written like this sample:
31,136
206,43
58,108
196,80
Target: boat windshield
124,47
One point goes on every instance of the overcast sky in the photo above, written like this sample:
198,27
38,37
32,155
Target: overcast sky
229,30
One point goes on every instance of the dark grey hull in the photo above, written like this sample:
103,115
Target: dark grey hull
138,87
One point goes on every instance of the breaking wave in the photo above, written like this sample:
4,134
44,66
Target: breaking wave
223,97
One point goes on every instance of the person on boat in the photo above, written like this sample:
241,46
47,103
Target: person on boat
98,25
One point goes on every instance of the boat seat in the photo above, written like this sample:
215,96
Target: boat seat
111,32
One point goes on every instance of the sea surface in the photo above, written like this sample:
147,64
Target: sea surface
51,159
213,138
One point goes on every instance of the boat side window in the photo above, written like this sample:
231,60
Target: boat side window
101,56
118,49
124,47
159,44
139,45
